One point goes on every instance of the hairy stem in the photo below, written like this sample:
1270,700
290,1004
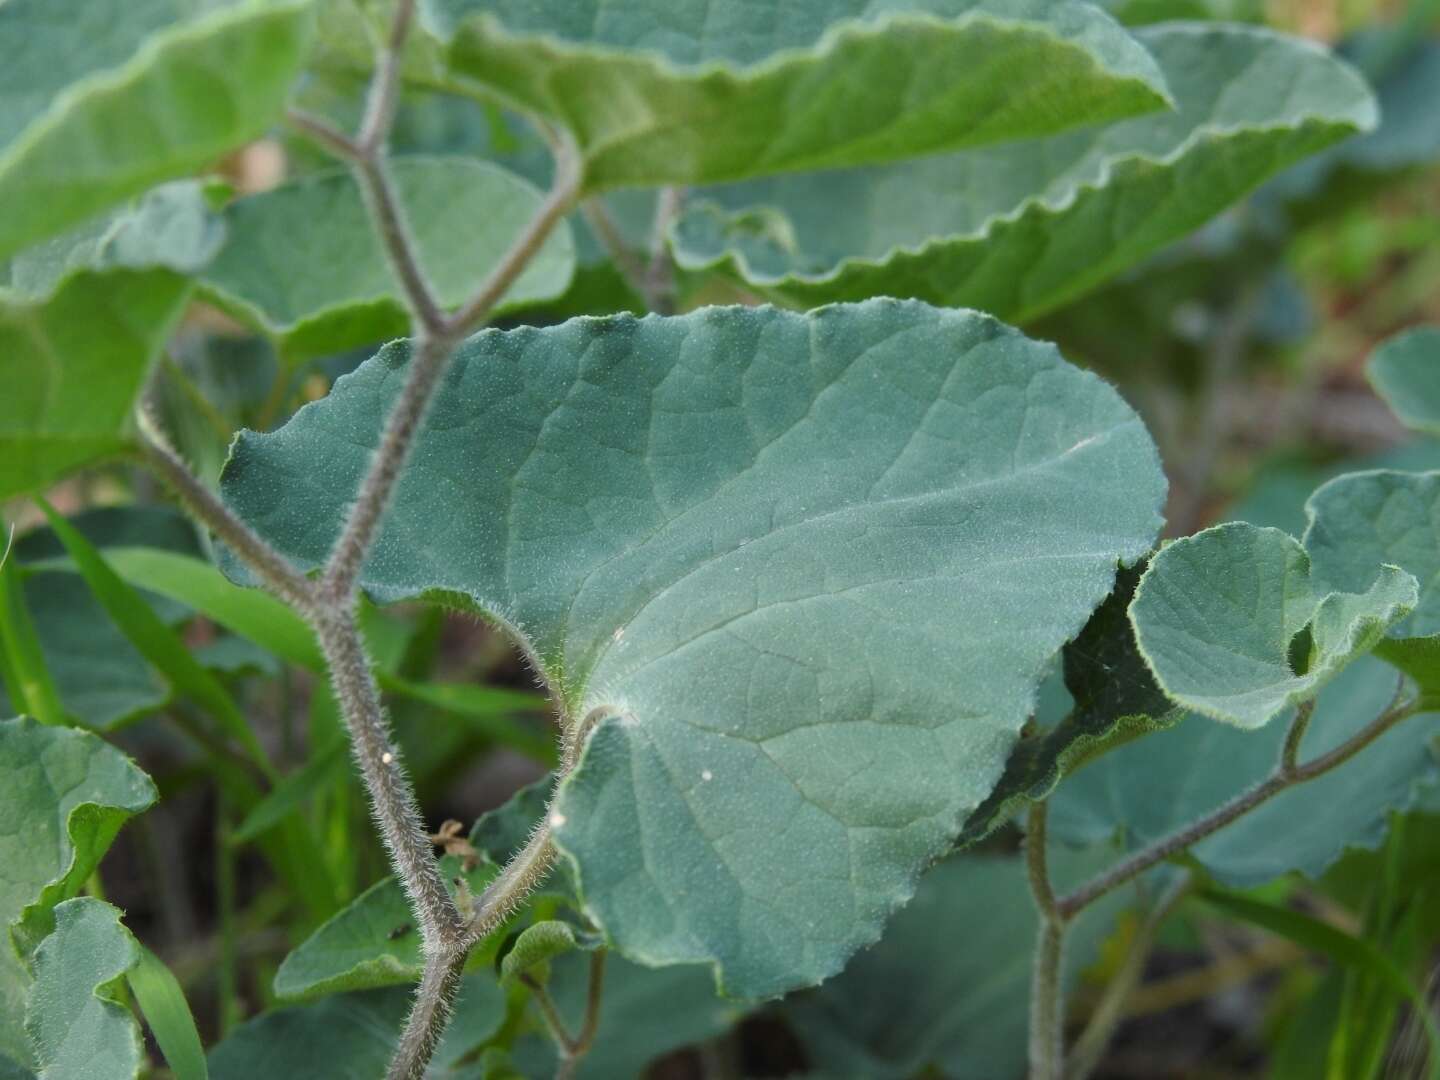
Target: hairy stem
579,1046
1047,1011
274,569
1286,775
434,1004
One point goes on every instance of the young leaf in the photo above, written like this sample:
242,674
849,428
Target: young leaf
1115,700
354,1035
372,942
537,945
1018,230
76,1016
656,94
1146,790
1235,625
104,100
67,793
1360,520
72,366
162,1002
303,263
911,1003
759,543
1405,371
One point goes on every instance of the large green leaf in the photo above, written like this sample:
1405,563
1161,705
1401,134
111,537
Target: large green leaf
698,93
1405,371
1114,698
353,1035
1236,624
76,1016
1155,785
809,570
72,366
1016,230
102,99
949,984
302,261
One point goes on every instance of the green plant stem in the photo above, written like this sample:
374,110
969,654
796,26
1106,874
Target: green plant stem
572,1047
659,277
1090,1047
1047,1012
1287,774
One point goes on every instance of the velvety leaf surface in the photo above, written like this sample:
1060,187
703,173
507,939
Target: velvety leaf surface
371,942
76,1016
645,1013
897,1008
1405,371
658,93
1016,230
1114,699
105,98
352,1036
1146,790
174,226
810,570
1219,617
302,261
72,366
64,794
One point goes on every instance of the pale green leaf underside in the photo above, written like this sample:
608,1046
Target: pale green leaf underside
1016,230
72,366
1146,790
697,93
172,226
1405,371
76,1015
102,99
949,984
1361,520
302,261
813,567
1217,616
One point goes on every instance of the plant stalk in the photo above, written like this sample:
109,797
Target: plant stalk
1286,775
1047,1008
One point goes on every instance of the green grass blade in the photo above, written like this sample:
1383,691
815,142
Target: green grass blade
1345,949
162,1001
291,793
26,675
156,641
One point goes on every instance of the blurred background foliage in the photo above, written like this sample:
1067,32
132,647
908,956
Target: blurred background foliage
1243,347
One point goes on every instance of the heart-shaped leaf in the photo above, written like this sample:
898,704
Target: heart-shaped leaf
807,569
101,100
1017,230
1405,371
656,93
303,263
72,366
1235,625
